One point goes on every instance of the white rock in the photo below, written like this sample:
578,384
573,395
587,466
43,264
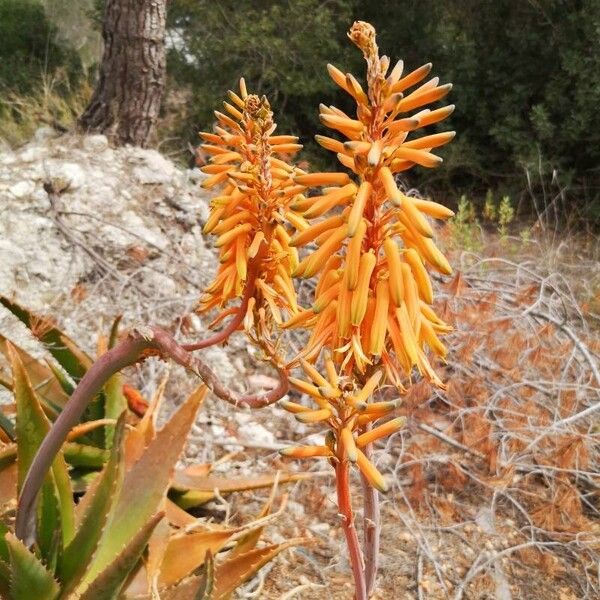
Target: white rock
45,133
153,167
31,154
65,176
95,143
22,189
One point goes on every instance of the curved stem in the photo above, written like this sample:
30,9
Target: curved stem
235,322
140,343
371,526
342,473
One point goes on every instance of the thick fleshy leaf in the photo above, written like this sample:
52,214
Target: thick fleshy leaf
8,484
73,360
29,577
32,427
114,404
94,509
6,425
8,455
249,540
4,579
42,377
186,552
195,490
113,337
145,486
207,583
176,515
157,546
232,573
4,555
110,580
81,455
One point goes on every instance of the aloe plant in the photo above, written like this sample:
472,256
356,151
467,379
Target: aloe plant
132,493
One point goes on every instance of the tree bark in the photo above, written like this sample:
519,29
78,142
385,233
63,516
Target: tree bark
126,102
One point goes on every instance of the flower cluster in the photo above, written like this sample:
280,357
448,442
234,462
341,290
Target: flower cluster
345,408
372,301
250,214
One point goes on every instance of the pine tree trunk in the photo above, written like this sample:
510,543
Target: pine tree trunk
126,102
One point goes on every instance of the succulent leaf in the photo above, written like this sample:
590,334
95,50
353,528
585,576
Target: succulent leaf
95,510
29,578
145,486
82,455
107,584
114,404
186,552
63,349
32,426
207,583
198,489
4,578
41,376
232,573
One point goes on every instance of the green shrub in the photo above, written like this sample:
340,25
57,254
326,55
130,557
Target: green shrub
29,47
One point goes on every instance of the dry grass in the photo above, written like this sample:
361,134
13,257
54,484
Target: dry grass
55,103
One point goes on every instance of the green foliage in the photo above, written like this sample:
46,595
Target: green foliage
281,48
506,215
464,227
29,47
526,85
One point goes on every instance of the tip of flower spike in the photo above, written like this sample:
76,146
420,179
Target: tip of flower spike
363,35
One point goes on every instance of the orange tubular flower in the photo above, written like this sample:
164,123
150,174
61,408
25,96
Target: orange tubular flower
345,409
250,214
372,303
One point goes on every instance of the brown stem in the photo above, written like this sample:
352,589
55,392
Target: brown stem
125,353
371,527
342,474
235,322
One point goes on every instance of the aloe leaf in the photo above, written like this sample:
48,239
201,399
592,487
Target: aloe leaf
5,382
236,571
29,577
81,480
193,490
228,575
4,579
32,426
42,377
8,482
66,383
207,583
186,552
144,486
81,455
96,506
249,541
114,404
110,580
74,360
114,332
3,545
7,426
